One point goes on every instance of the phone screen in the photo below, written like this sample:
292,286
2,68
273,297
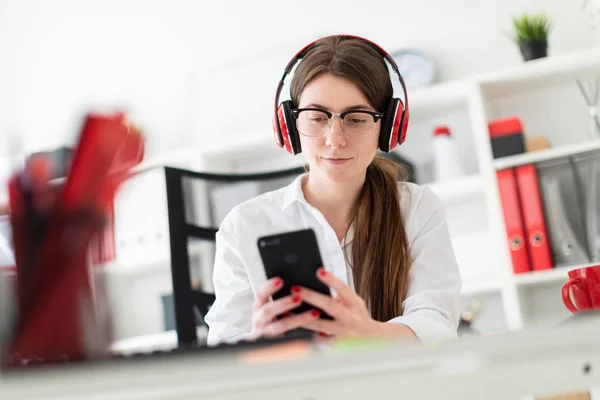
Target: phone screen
295,257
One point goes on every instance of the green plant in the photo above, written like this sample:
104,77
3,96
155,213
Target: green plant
528,28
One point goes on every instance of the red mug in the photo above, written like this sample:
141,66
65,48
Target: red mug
584,286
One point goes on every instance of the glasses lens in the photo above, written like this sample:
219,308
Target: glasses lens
312,123
359,125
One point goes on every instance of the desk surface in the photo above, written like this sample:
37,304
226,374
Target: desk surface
555,360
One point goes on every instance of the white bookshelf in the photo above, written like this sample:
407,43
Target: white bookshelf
541,72
558,274
546,155
533,298
472,201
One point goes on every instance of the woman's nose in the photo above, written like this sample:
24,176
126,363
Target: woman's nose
335,134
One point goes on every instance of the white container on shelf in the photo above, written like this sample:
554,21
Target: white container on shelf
446,161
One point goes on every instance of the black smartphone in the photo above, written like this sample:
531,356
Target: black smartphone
294,257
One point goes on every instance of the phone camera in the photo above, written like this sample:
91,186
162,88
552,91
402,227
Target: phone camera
262,243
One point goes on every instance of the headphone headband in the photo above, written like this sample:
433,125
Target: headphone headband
300,54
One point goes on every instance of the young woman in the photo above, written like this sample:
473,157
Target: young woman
384,242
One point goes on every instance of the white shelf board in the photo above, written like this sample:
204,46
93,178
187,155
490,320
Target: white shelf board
457,189
542,72
559,274
177,158
477,288
223,147
152,263
162,341
441,94
545,155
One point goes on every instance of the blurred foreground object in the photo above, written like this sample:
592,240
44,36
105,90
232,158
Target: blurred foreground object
568,396
56,210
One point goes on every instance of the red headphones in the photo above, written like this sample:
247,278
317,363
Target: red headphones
394,122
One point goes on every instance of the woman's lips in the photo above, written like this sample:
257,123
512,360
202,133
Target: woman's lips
336,160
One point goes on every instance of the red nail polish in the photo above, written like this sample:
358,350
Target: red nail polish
278,281
287,314
323,334
322,272
295,289
315,313
296,299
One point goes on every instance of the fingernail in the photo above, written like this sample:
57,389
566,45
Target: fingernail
322,334
322,272
315,313
296,299
287,314
278,281
295,289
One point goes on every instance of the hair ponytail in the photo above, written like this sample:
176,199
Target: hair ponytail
380,252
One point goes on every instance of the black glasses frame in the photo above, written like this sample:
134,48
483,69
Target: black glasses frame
376,116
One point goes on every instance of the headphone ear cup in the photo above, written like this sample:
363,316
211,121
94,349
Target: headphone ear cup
404,125
277,129
397,125
289,132
388,134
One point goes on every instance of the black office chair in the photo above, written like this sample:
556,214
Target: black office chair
191,304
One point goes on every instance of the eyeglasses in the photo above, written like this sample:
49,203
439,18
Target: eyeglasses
313,122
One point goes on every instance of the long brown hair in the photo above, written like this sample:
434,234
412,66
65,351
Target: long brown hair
380,253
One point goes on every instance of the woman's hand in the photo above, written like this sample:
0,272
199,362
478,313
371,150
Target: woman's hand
265,312
349,311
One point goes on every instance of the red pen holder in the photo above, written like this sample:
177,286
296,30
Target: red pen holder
54,227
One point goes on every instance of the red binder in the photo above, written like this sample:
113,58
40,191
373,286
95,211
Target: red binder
509,196
533,218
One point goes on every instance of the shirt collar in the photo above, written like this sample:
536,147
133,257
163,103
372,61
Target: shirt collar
294,192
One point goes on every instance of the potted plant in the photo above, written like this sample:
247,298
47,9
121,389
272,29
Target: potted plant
531,35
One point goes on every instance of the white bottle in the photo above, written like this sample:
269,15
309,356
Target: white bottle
445,155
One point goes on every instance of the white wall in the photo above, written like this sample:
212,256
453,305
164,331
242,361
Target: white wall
165,58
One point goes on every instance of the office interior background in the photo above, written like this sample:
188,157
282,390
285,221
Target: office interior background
199,79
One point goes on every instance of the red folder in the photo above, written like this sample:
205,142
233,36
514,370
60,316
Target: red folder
509,196
533,218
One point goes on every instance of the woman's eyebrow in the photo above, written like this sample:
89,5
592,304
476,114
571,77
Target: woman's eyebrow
354,107
315,105
357,107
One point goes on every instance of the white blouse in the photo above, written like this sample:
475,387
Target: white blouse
431,307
